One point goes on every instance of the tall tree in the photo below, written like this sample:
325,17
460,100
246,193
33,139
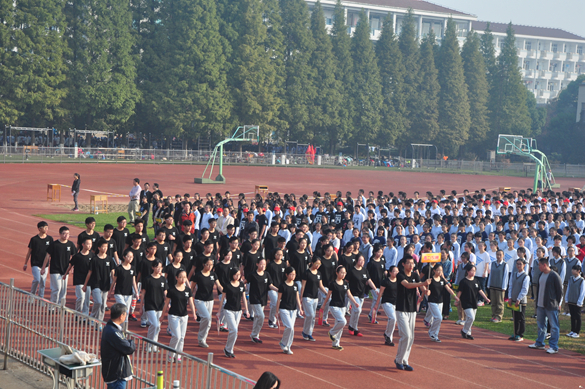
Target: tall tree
324,111
537,114
9,110
478,91
366,88
454,120
425,115
341,42
300,92
392,79
509,113
489,51
254,76
102,72
408,44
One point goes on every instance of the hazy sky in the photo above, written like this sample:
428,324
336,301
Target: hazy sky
564,14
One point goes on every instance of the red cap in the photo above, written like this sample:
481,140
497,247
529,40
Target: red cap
506,203
292,208
219,210
566,200
435,201
543,200
498,202
245,209
277,208
340,203
487,202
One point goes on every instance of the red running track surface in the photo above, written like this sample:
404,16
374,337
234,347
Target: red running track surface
490,361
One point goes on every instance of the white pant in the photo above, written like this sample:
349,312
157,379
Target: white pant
178,328
38,283
232,319
204,309
126,300
338,314
322,297
390,311
58,288
469,319
222,312
99,303
82,299
356,311
434,317
375,293
258,313
273,297
153,318
406,321
310,308
288,319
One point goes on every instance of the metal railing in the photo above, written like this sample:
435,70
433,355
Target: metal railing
30,323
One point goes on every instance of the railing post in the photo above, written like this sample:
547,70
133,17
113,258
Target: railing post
208,378
8,323
62,321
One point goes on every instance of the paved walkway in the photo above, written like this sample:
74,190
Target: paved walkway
20,376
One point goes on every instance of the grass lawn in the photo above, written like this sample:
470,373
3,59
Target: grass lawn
78,220
506,327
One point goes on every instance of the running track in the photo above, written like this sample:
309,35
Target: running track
488,362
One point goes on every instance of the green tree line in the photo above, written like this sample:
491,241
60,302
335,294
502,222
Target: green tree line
187,68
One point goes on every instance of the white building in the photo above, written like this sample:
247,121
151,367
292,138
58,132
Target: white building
549,58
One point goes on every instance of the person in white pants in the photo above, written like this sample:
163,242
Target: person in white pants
338,291
204,281
234,294
312,285
358,279
288,303
434,315
80,263
124,283
179,296
59,255
469,289
99,279
154,292
37,251
387,297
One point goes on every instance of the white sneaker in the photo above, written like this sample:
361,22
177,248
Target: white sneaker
460,322
575,335
570,334
551,351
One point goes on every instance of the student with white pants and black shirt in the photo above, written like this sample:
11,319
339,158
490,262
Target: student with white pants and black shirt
358,279
338,291
204,282
154,292
37,251
99,278
312,284
434,315
260,282
408,282
179,296
287,306
81,264
58,256
387,297
124,283
235,296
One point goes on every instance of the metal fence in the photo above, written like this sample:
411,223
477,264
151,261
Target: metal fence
29,323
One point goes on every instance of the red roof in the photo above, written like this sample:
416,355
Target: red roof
544,32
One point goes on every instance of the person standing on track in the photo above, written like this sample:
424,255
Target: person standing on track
406,301
75,190
37,251
517,291
338,291
133,205
235,296
58,255
288,305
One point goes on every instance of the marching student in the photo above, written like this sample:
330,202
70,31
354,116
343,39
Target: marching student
276,269
204,281
377,271
287,306
338,290
497,284
574,298
120,235
358,279
387,297
81,265
222,269
37,251
99,278
434,315
327,269
517,291
234,296
89,232
259,282
468,292
154,292
173,268
312,284
124,283
58,256
179,296
460,275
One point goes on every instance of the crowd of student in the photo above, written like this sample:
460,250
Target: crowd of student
310,259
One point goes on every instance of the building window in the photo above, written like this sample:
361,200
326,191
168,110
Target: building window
551,86
375,23
527,65
462,30
501,45
554,48
528,45
329,21
579,49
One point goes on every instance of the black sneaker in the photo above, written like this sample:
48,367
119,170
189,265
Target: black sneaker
470,337
198,319
228,354
325,324
463,335
256,340
251,318
389,343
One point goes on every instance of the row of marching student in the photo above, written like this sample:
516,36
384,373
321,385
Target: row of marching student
324,261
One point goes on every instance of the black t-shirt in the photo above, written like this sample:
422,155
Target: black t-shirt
347,261
406,298
145,268
376,271
199,247
357,281
188,260
38,249
223,272
327,269
120,238
139,256
172,232
312,284
262,221
233,296
338,293
171,271
101,270
154,295
82,236
124,280
179,300
270,245
145,240
288,300
250,260
390,291
60,255
162,251
204,285
112,248
437,288
300,262
214,237
259,285
276,271
469,292
237,258
81,266
201,259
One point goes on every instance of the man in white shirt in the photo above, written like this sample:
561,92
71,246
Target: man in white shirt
133,205
224,220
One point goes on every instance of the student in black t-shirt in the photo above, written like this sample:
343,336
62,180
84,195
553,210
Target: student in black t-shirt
163,249
81,264
234,296
259,283
387,297
89,232
270,243
312,285
120,235
171,233
288,305
58,256
139,229
179,296
358,279
435,294
327,269
154,292
37,251
222,269
338,290
406,301
124,283
276,269
98,279
112,245
468,292
173,268
204,281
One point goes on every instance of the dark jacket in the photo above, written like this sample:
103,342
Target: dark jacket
115,349
75,186
553,291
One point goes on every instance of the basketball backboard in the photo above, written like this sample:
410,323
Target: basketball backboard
513,144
